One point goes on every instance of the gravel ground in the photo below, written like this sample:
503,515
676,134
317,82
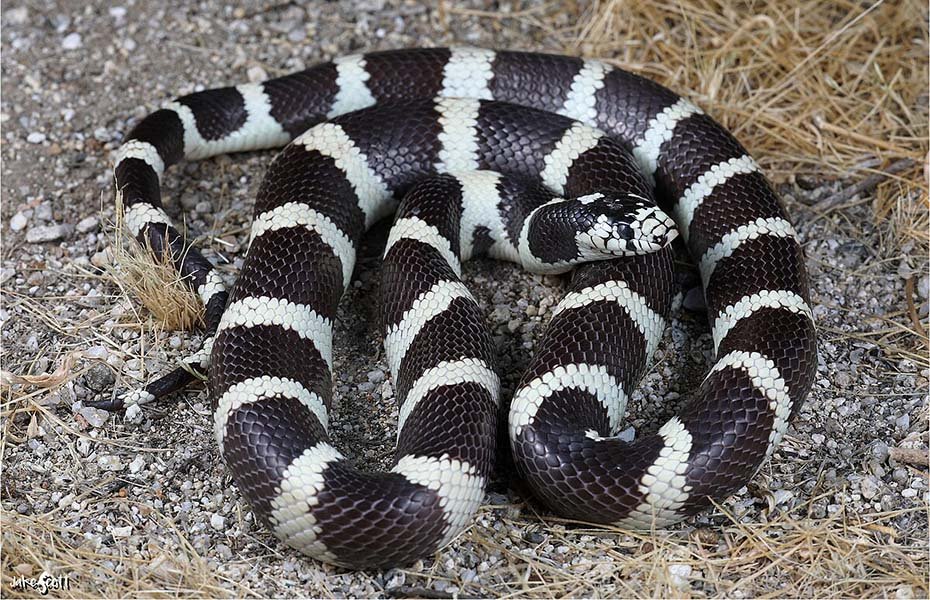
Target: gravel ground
141,493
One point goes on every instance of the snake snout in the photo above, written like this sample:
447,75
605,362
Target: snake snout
626,226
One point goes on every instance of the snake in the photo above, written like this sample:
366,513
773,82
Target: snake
557,163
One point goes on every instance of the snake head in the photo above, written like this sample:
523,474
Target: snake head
621,225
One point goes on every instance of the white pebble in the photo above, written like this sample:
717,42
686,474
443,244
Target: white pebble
96,418
17,16
108,462
121,532
18,222
627,435
87,224
133,414
217,522
137,464
256,74
99,352
678,574
36,137
782,496
46,233
72,41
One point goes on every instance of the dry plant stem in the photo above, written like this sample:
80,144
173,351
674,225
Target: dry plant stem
911,456
911,308
865,186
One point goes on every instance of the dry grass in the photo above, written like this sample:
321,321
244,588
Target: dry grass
842,555
37,545
816,90
154,283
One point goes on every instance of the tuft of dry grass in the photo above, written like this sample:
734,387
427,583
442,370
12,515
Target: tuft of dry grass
155,283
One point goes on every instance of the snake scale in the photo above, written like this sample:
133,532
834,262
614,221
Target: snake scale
552,162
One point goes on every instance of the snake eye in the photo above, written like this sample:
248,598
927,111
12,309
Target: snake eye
624,231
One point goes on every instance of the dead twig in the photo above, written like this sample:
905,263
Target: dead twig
911,456
865,186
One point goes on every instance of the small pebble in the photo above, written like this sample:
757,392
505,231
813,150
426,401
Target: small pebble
256,74
72,41
679,574
108,462
46,233
903,422
870,487
627,435
217,522
121,532
880,450
35,137
17,16
99,378
96,418
87,224
18,222
137,464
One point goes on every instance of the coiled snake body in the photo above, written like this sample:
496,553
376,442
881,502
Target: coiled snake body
525,157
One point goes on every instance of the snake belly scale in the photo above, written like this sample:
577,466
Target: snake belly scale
505,139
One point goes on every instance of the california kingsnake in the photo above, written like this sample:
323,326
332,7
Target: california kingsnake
431,111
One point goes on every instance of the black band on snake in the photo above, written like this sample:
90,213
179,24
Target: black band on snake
548,161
